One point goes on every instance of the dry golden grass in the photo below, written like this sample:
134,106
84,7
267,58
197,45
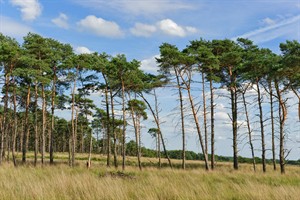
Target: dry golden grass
99,182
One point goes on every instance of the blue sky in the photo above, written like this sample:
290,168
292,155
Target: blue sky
136,28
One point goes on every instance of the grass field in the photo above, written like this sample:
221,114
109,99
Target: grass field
99,182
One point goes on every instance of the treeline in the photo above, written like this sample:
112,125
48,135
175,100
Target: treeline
42,76
191,155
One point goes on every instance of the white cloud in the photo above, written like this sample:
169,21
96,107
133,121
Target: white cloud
61,21
144,30
30,9
141,7
82,50
150,65
285,27
166,26
12,28
100,27
169,27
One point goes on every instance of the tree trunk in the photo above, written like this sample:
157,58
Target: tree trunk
90,151
15,126
233,98
52,116
36,136
108,124
124,127
82,149
234,127
187,83
182,117
198,129
27,128
261,121
249,130
5,118
43,123
70,150
73,146
134,120
156,119
282,118
272,125
212,125
113,129
204,115
158,133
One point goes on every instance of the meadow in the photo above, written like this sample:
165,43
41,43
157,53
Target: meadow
99,182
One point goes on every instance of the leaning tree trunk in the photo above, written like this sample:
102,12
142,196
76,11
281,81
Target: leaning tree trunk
188,88
249,130
156,119
198,129
181,118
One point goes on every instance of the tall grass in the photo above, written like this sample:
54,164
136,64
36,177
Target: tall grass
99,182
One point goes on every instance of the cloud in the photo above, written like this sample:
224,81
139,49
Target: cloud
12,28
61,21
166,26
284,27
100,27
30,9
149,64
169,27
144,30
82,50
141,7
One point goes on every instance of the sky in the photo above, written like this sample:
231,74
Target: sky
137,28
